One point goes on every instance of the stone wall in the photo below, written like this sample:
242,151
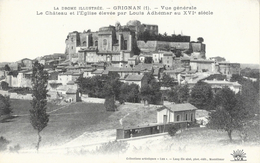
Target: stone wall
16,96
85,98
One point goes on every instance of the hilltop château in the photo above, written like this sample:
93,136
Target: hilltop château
131,51
117,45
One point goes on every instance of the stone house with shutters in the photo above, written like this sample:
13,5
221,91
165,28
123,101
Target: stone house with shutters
176,113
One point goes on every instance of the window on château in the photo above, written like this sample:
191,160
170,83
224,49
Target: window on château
178,117
105,44
125,45
96,43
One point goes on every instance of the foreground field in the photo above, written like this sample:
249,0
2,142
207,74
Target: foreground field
74,128
68,122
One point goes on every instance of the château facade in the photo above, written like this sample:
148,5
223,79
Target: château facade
117,45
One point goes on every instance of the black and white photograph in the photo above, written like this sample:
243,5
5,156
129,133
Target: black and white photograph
129,81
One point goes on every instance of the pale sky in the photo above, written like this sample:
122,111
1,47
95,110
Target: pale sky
231,32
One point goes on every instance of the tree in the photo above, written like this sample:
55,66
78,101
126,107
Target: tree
7,68
129,93
148,60
172,95
200,40
250,96
4,85
167,81
114,147
250,93
201,96
145,36
112,85
5,105
110,104
3,143
230,113
183,93
151,91
179,94
38,115
173,130
178,53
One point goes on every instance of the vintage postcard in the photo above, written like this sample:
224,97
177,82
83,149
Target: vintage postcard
129,81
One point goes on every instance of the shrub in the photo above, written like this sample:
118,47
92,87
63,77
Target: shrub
16,148
4,85
3,143
114,147
5,106
110,104
173,130
22,90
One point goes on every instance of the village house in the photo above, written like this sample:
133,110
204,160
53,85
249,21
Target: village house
168,59
143,68
123,72
88,72
176,113
218,84
174,73
19,79
228,68
132,61
145,57
157,57
26,63
97,72
65,77
203,65
72,95
136,79
198,50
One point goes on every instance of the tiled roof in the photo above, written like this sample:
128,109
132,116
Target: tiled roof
143,66
119,69
185,58
105,72
91,48
98,72
156,71
24,71
134,77
71,67
168,54
178,107
178,70
71,91
226,62
29,73
224,82
158,65
202,60
89,70
71,82
66,73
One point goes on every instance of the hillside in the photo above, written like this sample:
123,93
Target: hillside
67,122
248,65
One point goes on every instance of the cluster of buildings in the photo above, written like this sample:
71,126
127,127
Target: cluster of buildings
119,49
